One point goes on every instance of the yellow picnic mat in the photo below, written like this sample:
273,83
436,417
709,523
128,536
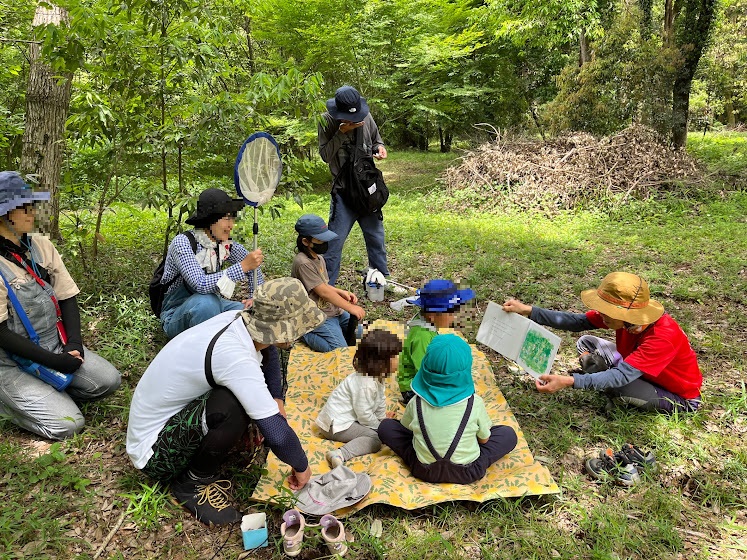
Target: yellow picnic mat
311,378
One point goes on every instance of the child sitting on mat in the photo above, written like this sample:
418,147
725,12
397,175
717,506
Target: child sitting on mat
357,405
338,330
439,301
446,434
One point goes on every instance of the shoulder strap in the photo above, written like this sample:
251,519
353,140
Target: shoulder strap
192,240
209,356
193,243
457,437
20,312
460,430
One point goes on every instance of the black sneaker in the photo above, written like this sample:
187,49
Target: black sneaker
613,465
642,459
207,498
592,362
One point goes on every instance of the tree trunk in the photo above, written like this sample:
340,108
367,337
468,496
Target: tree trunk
47,106
692,35
584,55
680,111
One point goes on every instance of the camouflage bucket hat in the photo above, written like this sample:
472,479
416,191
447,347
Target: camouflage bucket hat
282,312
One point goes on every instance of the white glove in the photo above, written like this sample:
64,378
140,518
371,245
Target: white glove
374,276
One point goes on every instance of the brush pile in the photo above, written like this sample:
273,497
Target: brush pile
572,171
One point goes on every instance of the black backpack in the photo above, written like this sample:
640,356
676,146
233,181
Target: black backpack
360,184
156,289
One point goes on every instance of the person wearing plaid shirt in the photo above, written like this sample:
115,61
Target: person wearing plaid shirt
202,282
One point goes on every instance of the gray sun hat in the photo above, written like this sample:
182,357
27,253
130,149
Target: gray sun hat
337,489
15,192
282,312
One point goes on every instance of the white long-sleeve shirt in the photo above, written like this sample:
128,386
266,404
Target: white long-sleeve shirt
359,398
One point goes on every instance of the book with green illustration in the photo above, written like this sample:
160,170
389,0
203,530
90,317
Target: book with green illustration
517,338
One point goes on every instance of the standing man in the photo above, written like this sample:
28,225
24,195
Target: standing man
348,129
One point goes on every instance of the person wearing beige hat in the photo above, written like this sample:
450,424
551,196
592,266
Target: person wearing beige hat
651,364
194,402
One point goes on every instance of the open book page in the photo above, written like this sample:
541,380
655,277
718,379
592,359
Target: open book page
517,338
538,350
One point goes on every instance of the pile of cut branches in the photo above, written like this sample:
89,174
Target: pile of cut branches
570,171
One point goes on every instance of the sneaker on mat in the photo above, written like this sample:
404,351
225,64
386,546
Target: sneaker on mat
334,458
333,534
615,466
208,499
642,459
291,530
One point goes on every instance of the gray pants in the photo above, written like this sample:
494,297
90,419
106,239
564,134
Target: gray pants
30,402
359,440
40,408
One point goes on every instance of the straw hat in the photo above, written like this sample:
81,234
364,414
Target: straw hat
625,297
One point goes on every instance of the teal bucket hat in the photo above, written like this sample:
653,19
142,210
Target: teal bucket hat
445,374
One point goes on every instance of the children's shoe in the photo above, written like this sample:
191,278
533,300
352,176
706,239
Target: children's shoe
334,458
207,498
292,530
333,534
615,465
638,457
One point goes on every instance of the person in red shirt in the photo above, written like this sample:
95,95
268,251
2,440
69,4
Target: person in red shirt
651,364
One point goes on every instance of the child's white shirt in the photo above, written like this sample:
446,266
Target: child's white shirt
359,398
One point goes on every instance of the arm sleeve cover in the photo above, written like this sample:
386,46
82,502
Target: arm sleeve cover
16,344
574,322
283,441
619,376
272,371
71,320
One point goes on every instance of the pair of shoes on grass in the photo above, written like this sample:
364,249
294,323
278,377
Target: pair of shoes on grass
294,525
624,466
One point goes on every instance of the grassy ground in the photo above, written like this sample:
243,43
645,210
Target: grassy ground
62,501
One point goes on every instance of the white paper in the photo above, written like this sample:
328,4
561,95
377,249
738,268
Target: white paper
517,338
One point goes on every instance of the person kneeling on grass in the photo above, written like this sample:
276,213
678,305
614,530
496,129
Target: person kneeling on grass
651,364
446,434
194,402
355,408
309,267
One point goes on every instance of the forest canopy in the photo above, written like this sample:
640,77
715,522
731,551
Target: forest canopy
163,91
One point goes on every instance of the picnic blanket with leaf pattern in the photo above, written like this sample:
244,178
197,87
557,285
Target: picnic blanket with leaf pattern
311,378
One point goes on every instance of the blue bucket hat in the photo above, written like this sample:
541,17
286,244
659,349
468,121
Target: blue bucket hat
445,374
311,225
15,192
440,296
348,105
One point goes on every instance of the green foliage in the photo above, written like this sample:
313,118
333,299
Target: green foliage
629,79
40,495
148,506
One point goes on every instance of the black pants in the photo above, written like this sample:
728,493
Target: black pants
502,441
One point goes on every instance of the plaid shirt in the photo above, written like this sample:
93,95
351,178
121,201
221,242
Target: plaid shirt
181,262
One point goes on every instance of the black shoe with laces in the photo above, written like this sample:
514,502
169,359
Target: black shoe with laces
614,466
207,498
641,459
592,362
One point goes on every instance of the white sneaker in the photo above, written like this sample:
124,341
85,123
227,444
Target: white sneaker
291,531
333,533
396,290
334,458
